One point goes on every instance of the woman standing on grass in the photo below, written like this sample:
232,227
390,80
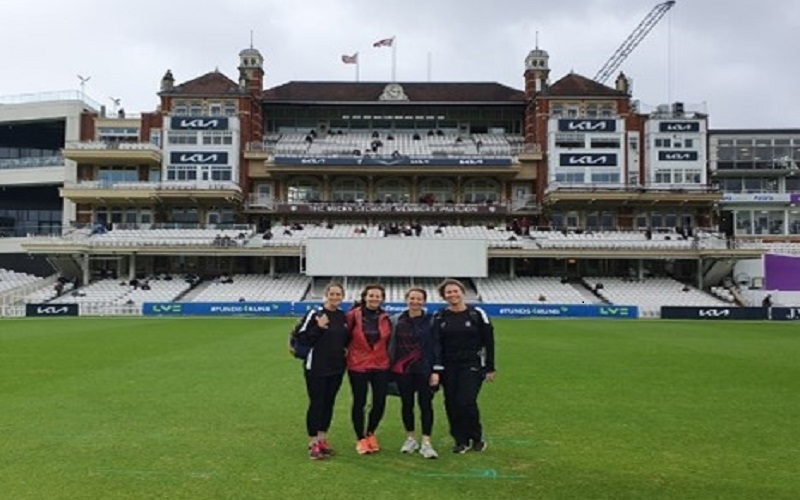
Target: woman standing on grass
325,329
464,357
368,364
411,352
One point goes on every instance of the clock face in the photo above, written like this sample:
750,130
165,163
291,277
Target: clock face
393,92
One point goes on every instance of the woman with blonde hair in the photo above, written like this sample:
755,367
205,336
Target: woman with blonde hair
463,358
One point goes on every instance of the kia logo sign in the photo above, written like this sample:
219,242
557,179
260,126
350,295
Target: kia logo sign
587,125
714,313
198,123
51,310
679,127
39,310
198,158
588,160
678,156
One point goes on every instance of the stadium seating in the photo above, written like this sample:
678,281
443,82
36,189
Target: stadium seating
496,238
528,290
114,292
624,239
254,288
652,293
9,280
754,298
446,144
783,248
171,237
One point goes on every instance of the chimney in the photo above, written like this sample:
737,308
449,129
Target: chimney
167,81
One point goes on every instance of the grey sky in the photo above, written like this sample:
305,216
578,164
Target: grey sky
738,57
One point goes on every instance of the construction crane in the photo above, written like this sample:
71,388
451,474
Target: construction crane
633,40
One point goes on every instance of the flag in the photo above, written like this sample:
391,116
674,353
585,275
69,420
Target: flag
350,59
386,42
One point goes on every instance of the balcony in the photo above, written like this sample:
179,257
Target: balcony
652,194
113,153
148,192
530,152
257,203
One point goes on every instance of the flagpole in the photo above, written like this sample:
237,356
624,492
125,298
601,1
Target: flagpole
394,59
430,66
358,64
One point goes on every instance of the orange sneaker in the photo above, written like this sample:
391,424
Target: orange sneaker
362,447
372,442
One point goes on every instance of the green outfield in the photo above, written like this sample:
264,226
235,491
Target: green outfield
214,409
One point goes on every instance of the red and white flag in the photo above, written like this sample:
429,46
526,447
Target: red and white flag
386,42
350,59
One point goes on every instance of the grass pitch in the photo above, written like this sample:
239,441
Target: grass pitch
214,408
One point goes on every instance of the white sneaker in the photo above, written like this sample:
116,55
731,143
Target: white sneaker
410,446
427,451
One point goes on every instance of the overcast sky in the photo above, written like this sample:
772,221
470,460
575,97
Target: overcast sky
738,58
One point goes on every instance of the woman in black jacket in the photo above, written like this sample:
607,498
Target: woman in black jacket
411,353
464,357
325,330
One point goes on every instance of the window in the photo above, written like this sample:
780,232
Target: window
481,191
605,178
181,137
112,175
221,173
436,191
663,176
304,190
217,138
349,190
571,177
393,191
182,173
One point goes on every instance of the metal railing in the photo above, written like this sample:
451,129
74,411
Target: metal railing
58,95
32,162
648,188
104,145
157,186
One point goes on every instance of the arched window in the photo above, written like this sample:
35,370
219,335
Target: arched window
349,189
437,190
481,191
393,191
304,190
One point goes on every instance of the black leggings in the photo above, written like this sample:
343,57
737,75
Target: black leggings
408,384
461,388
359,381
321,398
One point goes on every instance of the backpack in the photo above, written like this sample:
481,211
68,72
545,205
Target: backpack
299,346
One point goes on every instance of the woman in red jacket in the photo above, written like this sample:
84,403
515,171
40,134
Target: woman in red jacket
368,364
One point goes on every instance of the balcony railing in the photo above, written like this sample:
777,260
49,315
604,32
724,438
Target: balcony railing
111,145
32,162
156,186
63,95
648,188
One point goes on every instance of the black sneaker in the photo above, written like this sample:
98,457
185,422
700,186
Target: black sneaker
479,446
460,448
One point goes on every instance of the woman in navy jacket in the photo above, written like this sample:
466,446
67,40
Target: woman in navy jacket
411,353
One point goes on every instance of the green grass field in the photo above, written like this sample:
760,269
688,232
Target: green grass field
214,408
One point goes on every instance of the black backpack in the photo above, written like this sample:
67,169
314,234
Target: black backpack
299,345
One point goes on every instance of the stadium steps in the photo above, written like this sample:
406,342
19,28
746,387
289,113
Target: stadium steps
586,290
589,296
190,295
